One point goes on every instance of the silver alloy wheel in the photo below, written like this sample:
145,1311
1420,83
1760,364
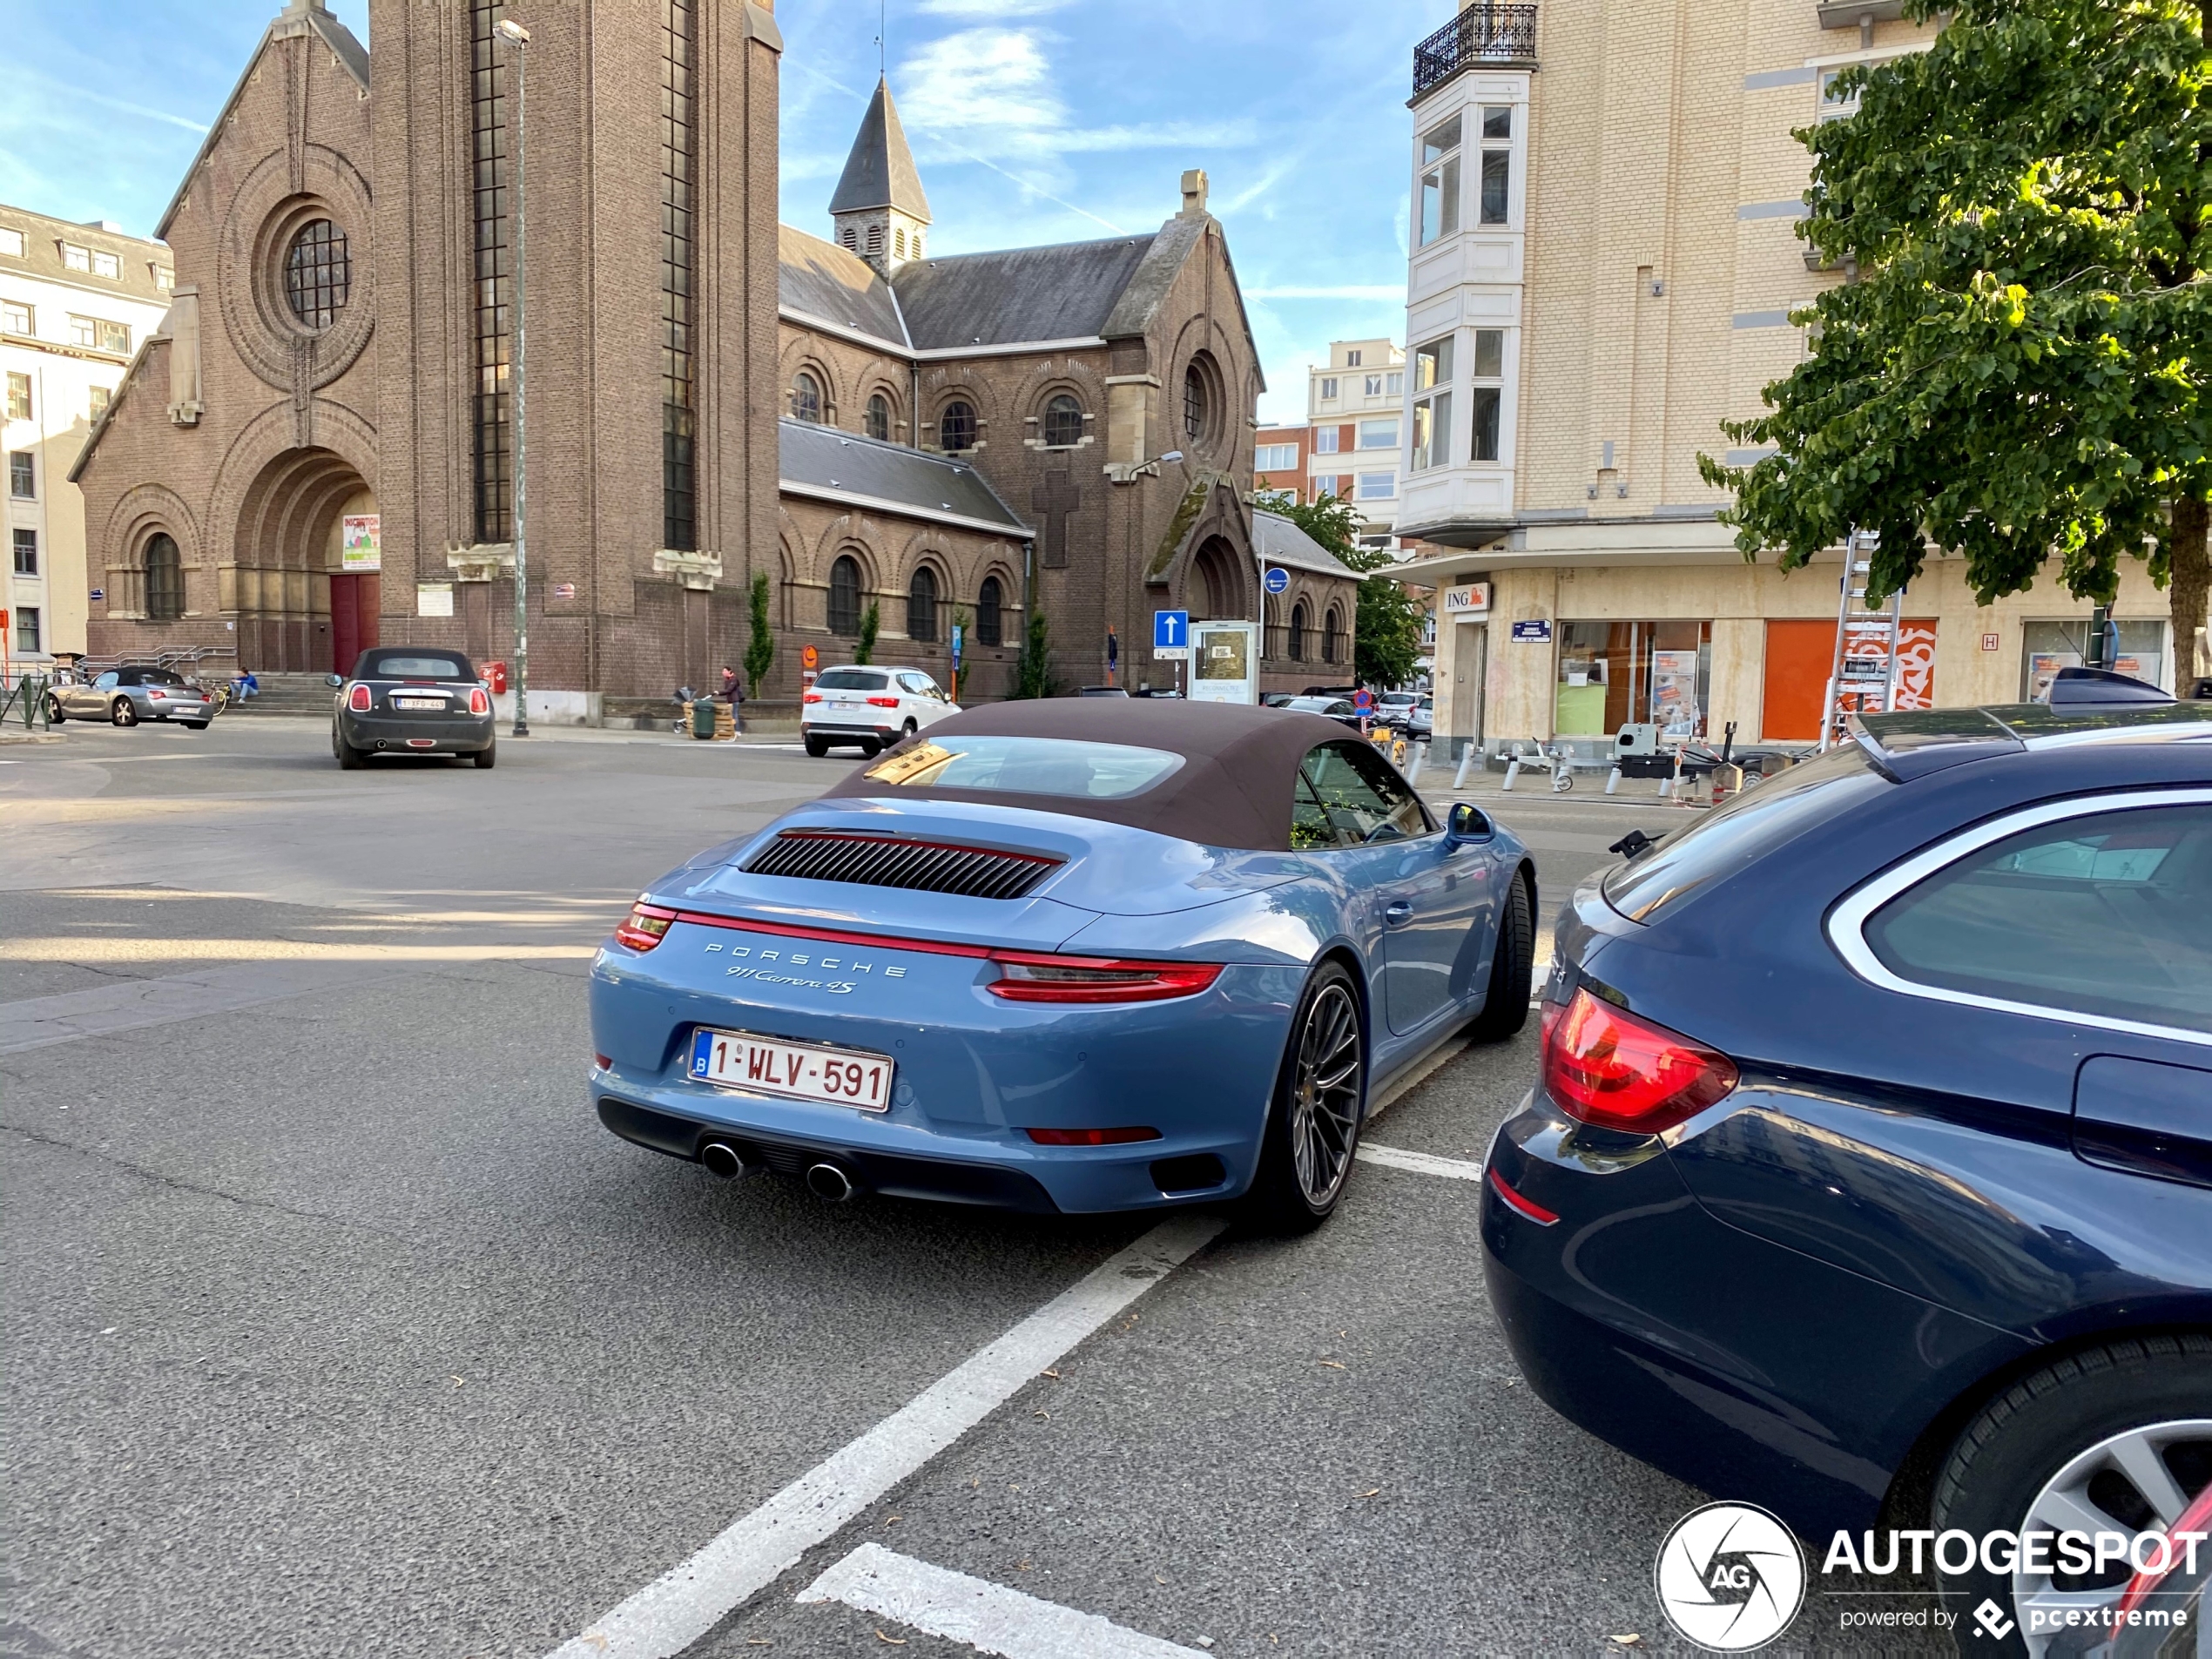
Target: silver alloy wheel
125,712
1324,1094
2078,1498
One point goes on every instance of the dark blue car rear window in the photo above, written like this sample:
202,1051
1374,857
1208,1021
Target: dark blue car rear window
1731,837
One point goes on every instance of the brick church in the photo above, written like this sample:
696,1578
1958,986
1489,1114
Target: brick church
316,450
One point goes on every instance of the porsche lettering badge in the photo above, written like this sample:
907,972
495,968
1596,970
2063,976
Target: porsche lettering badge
799,959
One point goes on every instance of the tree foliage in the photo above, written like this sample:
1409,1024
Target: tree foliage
870,624
1033,668
1386,625
2018,372
760,650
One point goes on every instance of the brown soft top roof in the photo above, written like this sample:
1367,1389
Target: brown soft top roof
1234,788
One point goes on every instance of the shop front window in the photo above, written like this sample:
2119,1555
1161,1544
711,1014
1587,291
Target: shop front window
2046,647
1613,674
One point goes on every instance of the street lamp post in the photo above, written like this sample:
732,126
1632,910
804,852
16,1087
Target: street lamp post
519,37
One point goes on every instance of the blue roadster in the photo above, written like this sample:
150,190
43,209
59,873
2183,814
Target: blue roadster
1063,956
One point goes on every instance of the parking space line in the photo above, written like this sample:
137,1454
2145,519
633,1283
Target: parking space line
1419,1162
984,1616
686,1602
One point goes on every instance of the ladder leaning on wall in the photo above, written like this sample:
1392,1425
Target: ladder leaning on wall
1863,689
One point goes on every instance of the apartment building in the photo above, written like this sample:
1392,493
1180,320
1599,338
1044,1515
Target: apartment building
1355,408
1279,457
76,302
1602,269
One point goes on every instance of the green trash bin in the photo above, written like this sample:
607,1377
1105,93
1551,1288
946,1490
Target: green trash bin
703,717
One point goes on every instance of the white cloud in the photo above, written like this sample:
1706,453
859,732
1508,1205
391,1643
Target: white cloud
981,79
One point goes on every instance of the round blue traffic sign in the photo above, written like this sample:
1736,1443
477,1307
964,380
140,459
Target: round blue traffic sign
1278,578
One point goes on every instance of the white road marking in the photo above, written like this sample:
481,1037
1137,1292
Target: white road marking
689,1599
1419,1163
984,1616
38,1022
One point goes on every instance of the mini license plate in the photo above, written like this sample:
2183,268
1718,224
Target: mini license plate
795,1071
418,702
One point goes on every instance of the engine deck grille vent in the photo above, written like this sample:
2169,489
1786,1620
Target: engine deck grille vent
896,861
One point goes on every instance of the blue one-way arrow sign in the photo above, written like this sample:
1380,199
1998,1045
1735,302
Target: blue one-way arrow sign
1170,630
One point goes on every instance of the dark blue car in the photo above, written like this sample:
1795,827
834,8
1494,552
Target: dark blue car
1871,1161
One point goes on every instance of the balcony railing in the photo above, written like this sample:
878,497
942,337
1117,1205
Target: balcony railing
1481,34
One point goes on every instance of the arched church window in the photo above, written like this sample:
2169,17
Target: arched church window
1331,631
807,398
990,630
956,427
845,597
164,580
922,605
878,418
1064,424
318,275
1196,412
1296,644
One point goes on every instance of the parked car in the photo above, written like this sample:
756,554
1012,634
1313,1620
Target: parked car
1871,1150
870,708
126,696
1064,957
1102,691
1394,708
1333,708
411,699
1420,720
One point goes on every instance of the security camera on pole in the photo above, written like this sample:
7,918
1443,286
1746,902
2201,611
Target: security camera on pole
519,37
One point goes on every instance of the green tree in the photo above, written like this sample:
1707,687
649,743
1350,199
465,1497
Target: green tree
760,651
871,621
1033,668
2018,372
1387,625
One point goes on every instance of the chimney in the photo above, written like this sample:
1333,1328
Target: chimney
1194,193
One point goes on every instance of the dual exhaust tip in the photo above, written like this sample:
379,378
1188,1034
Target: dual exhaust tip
826,1181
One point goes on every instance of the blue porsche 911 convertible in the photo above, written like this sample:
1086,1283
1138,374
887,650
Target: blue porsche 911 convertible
1065,957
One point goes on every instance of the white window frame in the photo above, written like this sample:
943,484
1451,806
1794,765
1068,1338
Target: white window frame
13,243
77,258
1396,431
1847,922
1329,388
11,312
107,265
1361,492
1328,441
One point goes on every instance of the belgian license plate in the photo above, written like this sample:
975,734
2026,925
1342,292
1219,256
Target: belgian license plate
794,1070
418,702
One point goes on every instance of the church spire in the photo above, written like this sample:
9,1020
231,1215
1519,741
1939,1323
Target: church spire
880,208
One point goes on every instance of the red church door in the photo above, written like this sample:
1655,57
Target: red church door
352,619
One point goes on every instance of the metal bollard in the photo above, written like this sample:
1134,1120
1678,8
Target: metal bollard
1466,760
1613,780
1420,755
1512,770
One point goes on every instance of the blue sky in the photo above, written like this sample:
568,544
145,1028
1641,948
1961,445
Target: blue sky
1032,121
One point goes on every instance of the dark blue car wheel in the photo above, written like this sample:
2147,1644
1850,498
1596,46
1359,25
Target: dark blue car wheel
1314,1124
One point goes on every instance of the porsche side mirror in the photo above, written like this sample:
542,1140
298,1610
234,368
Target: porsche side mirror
1469,824
334,680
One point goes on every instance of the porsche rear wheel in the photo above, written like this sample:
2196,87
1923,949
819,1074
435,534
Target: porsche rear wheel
1505,1007
1313,1124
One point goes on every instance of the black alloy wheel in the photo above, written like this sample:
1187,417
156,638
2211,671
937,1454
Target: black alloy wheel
1513,967
1314,1124
123,713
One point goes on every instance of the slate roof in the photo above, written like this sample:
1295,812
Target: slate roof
827,281
881,171
822,457
1070,291
1281,542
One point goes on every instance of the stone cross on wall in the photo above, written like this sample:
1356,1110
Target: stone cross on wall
1055,496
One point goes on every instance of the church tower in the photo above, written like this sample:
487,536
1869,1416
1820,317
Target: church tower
879,210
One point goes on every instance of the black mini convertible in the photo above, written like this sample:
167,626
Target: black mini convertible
411,699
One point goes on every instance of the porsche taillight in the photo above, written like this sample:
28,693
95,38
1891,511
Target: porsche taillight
644,927
357,699
1611,1069
1024,977
478,703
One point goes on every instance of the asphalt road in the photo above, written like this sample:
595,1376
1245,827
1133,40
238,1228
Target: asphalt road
335,1324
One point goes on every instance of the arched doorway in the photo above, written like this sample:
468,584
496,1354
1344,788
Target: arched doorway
300,608
1219,590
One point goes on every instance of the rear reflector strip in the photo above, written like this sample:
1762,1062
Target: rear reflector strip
1534,1211
1089,1137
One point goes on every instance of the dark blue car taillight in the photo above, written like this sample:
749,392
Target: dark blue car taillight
1607,1068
